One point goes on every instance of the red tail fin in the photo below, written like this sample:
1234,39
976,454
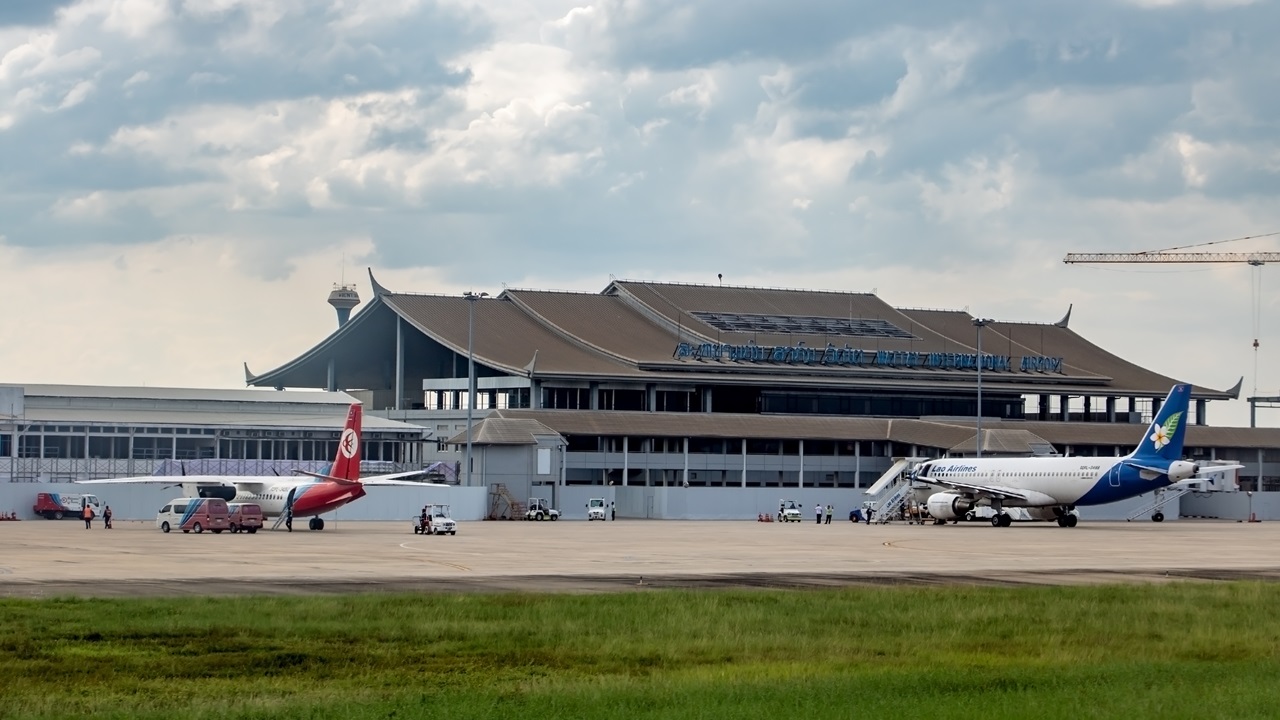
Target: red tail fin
346,463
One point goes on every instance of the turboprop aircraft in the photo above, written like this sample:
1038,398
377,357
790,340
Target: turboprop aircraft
1051,488
308,495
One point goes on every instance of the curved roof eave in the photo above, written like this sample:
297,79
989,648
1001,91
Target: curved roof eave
268,378
389,300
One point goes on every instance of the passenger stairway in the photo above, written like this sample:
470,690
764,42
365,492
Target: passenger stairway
895,486
891,507
1163,496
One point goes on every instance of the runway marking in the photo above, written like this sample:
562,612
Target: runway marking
455,566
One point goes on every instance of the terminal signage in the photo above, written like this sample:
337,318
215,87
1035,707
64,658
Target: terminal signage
801,354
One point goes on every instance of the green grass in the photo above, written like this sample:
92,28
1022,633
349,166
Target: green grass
1180,651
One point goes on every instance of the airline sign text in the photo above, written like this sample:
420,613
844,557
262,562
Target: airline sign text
801,354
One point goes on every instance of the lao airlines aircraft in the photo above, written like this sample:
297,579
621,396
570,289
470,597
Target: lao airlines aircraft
310,495
1052,488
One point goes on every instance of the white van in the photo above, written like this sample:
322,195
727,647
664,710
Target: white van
194,515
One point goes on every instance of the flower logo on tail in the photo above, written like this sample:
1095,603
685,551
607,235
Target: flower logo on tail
1162,434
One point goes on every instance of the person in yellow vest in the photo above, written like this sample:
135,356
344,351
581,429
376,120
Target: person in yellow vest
830,511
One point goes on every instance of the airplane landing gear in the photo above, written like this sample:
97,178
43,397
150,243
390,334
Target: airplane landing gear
1068,520
1001,519
1157,517
315,523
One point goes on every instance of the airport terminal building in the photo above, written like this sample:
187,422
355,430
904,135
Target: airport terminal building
63,433
732,393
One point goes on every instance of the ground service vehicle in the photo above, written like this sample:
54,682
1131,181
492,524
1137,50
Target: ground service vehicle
56,506
539,509
244,517
789,511
596,509
194,515
437,522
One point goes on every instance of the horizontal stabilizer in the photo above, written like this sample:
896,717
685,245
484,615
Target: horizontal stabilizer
1148,468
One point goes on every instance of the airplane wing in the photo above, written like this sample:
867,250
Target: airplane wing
374,480
993,491
156,480
253,485
392,480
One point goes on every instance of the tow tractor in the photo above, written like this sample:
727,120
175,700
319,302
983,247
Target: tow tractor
539,509
596,509
437,522
789,511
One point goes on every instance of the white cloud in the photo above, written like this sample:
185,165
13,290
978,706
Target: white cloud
76,94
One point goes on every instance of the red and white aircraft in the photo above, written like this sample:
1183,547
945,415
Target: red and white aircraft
294,497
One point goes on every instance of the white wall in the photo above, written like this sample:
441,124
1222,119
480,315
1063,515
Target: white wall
140,502
1232,506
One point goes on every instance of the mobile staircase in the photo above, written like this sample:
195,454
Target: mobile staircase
892,490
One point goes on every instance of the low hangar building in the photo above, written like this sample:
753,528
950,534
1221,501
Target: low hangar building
739,390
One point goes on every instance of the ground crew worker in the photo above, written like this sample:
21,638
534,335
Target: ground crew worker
288,519
818,510
88,516
830,509
106,517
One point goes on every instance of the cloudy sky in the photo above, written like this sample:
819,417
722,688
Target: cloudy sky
183,180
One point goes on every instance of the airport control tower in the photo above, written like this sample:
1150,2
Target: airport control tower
343,298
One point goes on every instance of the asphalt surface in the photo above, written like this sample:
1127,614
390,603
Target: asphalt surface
43,558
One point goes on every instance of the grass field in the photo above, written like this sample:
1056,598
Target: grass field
1173,651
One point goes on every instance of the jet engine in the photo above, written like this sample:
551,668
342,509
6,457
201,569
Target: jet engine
1180,470
222,492
949,506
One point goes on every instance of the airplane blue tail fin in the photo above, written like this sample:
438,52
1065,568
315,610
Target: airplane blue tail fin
1163,438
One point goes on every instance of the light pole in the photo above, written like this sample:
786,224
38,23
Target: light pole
980,323
471,368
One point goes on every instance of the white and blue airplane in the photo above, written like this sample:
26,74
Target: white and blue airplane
1051,488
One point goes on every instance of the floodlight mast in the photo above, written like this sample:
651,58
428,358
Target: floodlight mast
471,297
980,323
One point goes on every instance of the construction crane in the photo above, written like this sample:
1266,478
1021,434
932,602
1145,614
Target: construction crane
1170,255
1163,256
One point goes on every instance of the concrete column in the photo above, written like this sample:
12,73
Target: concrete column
594,400
706,400
331,382
1044,407
744,462
801,464
399,383
1201,405
1064,405
686,462
626,457
1111,409
651,397
857,464
1088,407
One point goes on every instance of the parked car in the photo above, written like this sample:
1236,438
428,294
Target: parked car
244,517
194,515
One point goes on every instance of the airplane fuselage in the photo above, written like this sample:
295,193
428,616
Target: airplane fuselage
1069,481
311,496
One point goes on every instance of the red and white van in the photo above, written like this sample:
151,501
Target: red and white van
194,515
245,517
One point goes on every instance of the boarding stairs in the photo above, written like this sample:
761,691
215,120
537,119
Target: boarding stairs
503,505
1163,496
894,486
